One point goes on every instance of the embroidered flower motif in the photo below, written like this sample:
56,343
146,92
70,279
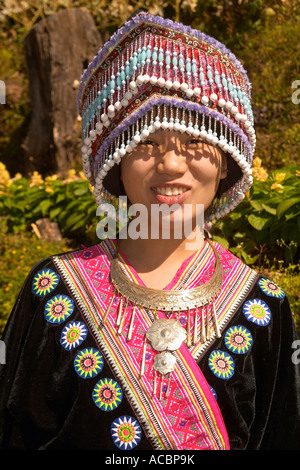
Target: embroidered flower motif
257,311
107,394
126,432
221,364
166,334
88,363
58,309
271,289
73,334
44,282
238,339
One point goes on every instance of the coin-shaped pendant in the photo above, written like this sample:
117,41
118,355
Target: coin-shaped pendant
164,362
165,334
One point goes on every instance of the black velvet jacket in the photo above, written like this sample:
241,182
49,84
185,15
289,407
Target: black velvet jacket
44,404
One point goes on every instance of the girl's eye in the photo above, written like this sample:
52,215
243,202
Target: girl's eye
195,141
148,142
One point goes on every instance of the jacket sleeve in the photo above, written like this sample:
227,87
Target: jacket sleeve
260,402
283,425
28,379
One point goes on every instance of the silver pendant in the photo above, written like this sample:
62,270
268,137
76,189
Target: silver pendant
165,334
164,362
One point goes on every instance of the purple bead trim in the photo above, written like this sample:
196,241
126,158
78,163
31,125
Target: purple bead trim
146,17
126,123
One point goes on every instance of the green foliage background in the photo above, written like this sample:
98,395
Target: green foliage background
264,35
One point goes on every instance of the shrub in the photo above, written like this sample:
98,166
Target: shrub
270,216
69,202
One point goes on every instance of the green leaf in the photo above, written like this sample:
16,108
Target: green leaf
54,212
258,222
81,191
72,220
72,205
292,214
285,205
239,236
44,206
248,259
257,205
60,198
269,209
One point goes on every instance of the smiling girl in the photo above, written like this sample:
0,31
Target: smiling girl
147,343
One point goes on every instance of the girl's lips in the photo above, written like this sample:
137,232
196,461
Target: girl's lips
171,199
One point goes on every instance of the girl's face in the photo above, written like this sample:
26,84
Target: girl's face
173,168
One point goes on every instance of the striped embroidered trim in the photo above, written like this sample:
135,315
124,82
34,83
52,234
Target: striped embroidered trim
144,408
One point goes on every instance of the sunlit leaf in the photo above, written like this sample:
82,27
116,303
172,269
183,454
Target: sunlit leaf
258,222
285,205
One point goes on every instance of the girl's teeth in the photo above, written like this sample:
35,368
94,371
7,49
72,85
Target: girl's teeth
170,191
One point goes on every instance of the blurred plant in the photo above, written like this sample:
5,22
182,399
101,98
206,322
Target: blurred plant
267,222
69,202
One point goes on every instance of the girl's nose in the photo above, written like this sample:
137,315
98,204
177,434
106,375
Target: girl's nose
172,162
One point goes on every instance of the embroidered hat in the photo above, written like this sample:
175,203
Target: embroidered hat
155,73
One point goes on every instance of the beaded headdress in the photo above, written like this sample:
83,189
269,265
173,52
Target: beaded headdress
155,73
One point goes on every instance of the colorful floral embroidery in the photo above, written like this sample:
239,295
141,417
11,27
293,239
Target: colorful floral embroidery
58,309
221,364
125,432
257,311
238,339
88,363
44,282
73,335
271,289
107,394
